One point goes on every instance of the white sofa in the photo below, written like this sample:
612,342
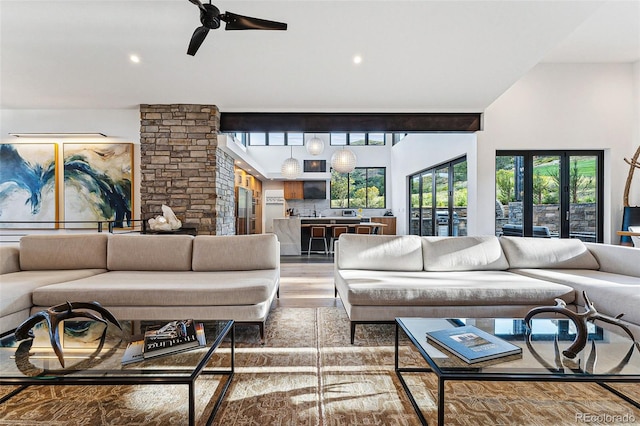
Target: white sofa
382,277
142,277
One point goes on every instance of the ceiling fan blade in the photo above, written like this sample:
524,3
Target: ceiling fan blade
198,3
196,40
239,22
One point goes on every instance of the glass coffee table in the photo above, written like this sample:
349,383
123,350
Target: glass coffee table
610,356
32,362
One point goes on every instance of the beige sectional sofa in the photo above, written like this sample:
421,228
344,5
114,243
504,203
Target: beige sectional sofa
382,277
142,277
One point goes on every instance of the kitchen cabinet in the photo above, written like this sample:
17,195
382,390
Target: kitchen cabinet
293,190
390,221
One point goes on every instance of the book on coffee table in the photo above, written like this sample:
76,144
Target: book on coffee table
471,344
175,336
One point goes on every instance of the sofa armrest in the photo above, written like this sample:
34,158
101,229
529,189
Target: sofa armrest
9,259
616,259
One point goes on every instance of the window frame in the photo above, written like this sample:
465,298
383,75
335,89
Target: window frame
563,202
433,190
348,177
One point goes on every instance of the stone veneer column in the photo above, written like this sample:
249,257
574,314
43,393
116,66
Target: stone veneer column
182,167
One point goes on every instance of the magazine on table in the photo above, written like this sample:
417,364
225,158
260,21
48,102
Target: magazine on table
174,336
472,344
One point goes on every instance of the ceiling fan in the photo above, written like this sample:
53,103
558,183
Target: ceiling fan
210,18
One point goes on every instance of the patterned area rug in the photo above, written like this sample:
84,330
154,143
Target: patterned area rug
308,373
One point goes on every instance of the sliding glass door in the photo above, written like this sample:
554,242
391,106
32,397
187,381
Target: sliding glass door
549,194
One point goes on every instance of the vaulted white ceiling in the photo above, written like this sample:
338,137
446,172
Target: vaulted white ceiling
418,56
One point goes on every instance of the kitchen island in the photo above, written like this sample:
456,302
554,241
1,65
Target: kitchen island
288,232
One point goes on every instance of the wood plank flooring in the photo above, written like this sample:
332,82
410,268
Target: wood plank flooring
306,283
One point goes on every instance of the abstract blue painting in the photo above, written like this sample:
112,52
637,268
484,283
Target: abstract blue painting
28,190
98,183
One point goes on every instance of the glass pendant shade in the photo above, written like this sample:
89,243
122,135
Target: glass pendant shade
291,168
343,161
315,146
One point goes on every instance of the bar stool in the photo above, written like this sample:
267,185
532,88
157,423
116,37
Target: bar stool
318,233
363,229
336,231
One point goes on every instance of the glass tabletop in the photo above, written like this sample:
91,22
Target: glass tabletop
88,356
608,353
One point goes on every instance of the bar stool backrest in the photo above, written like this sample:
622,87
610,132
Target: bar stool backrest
339,230
318,231
363,229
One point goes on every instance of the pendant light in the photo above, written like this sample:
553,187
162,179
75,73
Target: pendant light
315,145
291,167
343,161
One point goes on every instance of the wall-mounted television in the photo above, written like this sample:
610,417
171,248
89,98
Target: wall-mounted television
311,166
314,189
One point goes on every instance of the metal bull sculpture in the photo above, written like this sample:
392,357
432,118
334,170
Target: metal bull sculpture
580,320
56,314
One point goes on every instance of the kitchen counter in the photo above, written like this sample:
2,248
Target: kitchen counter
334,219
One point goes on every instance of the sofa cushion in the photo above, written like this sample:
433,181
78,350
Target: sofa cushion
17,287
164,288
470,288
77,251
149,253
463,254
9,259
380,252
235,252
610,293
528,252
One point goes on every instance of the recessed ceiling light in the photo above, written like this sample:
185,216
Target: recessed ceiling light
357,59
134,58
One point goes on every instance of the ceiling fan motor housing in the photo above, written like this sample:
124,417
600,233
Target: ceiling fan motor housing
210,16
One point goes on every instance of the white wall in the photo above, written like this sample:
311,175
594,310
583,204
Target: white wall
417,152
271,157
121,125
564,106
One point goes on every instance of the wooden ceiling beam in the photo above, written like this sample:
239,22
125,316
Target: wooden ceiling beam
349,122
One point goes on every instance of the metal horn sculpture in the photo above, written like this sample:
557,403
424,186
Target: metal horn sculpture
634,164
580,321
56,314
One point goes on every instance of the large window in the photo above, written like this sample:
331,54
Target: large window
357,139
271,139
549,194
438,200
298,138
363,188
